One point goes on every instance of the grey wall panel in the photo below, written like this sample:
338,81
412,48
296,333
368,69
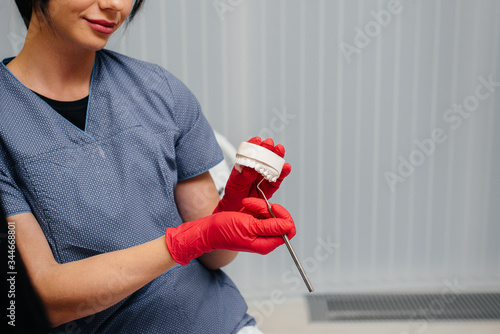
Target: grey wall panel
275,67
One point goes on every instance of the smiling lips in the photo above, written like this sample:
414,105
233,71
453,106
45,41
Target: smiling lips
102,26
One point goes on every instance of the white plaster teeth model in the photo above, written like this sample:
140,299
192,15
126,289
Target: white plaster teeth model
264,161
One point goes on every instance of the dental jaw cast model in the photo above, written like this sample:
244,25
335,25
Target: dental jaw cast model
267,163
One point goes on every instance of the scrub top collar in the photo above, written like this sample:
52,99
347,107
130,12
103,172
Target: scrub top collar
9,59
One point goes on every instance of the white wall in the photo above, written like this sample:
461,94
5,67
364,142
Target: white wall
348,123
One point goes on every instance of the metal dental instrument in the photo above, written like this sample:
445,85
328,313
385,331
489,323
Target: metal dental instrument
288,245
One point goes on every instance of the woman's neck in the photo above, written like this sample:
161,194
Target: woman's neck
53,68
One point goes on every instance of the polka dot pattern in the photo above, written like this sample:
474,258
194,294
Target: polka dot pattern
111,187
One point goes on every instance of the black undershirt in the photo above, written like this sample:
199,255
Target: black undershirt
73,111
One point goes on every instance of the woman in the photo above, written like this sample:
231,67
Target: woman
100,155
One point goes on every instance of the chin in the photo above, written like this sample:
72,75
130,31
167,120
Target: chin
96,46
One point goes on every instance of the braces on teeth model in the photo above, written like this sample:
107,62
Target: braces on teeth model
269,165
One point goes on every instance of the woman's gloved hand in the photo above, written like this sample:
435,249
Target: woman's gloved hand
243,184
248,231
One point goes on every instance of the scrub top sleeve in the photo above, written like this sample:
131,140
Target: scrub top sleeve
196,148
197,151
12,199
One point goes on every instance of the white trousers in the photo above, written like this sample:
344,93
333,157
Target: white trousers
249,330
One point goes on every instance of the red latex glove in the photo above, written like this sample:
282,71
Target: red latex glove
244,184
237,231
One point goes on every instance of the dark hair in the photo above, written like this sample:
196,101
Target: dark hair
26,7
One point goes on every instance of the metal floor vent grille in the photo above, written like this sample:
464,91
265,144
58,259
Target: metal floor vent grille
373,307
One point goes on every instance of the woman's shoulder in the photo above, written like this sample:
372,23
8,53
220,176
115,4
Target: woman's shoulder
112,58
148,74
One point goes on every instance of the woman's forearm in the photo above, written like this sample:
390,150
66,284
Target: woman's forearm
77,289
218,258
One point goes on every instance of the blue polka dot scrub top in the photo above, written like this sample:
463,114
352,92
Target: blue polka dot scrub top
111,187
